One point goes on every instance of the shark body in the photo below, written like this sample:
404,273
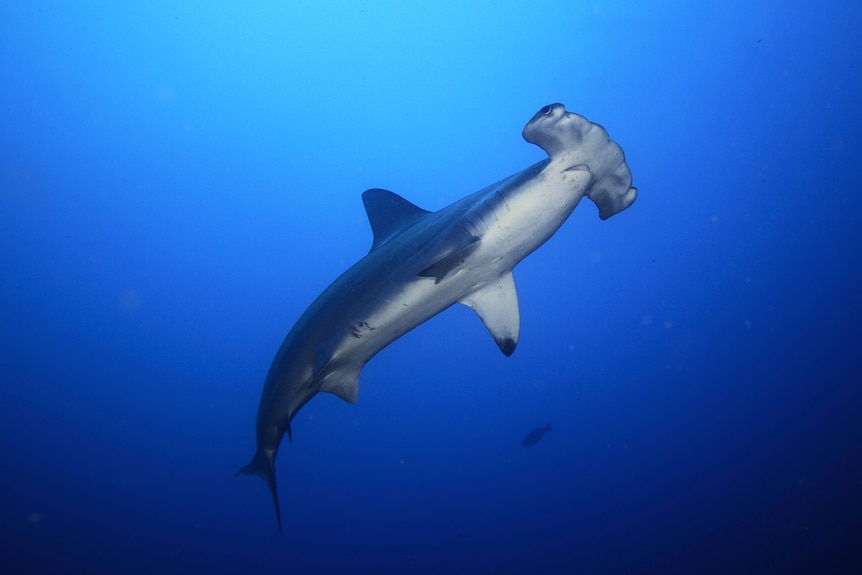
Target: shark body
422,262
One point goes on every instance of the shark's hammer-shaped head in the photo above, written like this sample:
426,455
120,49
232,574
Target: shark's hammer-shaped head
575,143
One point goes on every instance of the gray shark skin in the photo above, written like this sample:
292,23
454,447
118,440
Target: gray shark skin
421,263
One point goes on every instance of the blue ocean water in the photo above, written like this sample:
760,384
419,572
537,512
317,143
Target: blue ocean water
179,181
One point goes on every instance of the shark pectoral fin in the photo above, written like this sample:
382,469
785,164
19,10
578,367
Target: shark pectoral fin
388,213
497,306
344,384
450,263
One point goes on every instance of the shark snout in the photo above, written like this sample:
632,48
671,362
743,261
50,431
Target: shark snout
545,128
547,116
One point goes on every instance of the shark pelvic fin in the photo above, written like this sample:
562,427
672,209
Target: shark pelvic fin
342,384
388,213
263,465
497,306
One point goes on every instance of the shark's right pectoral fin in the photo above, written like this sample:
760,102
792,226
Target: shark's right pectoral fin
497,306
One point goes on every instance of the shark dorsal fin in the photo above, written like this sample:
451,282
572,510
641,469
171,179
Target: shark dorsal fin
388,214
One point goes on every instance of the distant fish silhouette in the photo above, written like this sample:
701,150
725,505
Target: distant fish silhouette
535,436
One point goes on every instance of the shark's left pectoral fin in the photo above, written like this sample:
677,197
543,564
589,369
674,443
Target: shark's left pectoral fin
497,306
453,262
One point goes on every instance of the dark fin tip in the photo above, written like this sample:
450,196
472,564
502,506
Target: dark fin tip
507,346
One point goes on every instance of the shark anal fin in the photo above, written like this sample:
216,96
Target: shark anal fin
388,214
497,306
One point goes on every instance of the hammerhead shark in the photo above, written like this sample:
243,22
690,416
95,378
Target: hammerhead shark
422,262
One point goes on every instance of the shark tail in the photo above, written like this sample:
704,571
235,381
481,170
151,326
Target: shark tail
263,465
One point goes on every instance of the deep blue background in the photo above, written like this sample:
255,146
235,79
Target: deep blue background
179,180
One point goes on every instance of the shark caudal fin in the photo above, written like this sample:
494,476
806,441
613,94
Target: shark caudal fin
263,465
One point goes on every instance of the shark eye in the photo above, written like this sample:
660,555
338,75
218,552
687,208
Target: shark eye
545,111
